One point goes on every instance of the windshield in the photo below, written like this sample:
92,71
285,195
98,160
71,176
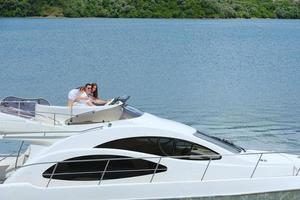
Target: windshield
220,142
131,112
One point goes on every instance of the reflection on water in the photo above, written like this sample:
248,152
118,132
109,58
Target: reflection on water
291,195
266,128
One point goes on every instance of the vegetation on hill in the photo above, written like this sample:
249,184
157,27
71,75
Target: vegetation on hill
153,8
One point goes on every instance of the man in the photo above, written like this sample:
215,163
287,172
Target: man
80,96
72,95
83,97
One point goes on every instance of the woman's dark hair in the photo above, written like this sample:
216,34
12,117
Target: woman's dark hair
95,93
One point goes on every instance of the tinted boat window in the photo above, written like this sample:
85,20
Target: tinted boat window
163,146
90,168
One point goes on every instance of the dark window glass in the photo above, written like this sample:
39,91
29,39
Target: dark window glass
90,168
220,142
163,146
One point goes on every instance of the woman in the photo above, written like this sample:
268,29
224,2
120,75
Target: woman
94,95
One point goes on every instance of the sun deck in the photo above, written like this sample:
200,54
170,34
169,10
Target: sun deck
41,111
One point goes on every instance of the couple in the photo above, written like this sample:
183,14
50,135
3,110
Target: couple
85,96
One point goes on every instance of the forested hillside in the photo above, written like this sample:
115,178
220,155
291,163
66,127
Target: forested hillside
153,8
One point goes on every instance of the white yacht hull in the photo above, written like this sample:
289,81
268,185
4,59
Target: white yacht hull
139,157
255,188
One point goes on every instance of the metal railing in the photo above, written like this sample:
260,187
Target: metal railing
52,116
14,154
6,134
29,114
19,151
5,156
159,160
16,110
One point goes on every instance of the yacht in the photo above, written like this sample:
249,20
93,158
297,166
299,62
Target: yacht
142,156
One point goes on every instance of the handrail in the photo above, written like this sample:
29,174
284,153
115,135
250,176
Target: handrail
155,169
12,110
5,156
52,175
297,172
259,159
30,114
43,112
22,113
206,169
104,171
5,133
26,101
13,154
102,175
19,151
162,157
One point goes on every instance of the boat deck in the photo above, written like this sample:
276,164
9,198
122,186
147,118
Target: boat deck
5,163
10,162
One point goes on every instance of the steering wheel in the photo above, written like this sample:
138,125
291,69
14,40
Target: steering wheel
109,102
112,101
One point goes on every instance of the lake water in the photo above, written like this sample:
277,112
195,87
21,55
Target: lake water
236,79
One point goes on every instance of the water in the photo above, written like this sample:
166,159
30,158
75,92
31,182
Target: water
236,79
290,195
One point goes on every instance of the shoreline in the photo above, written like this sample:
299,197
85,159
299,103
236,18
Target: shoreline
141,18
